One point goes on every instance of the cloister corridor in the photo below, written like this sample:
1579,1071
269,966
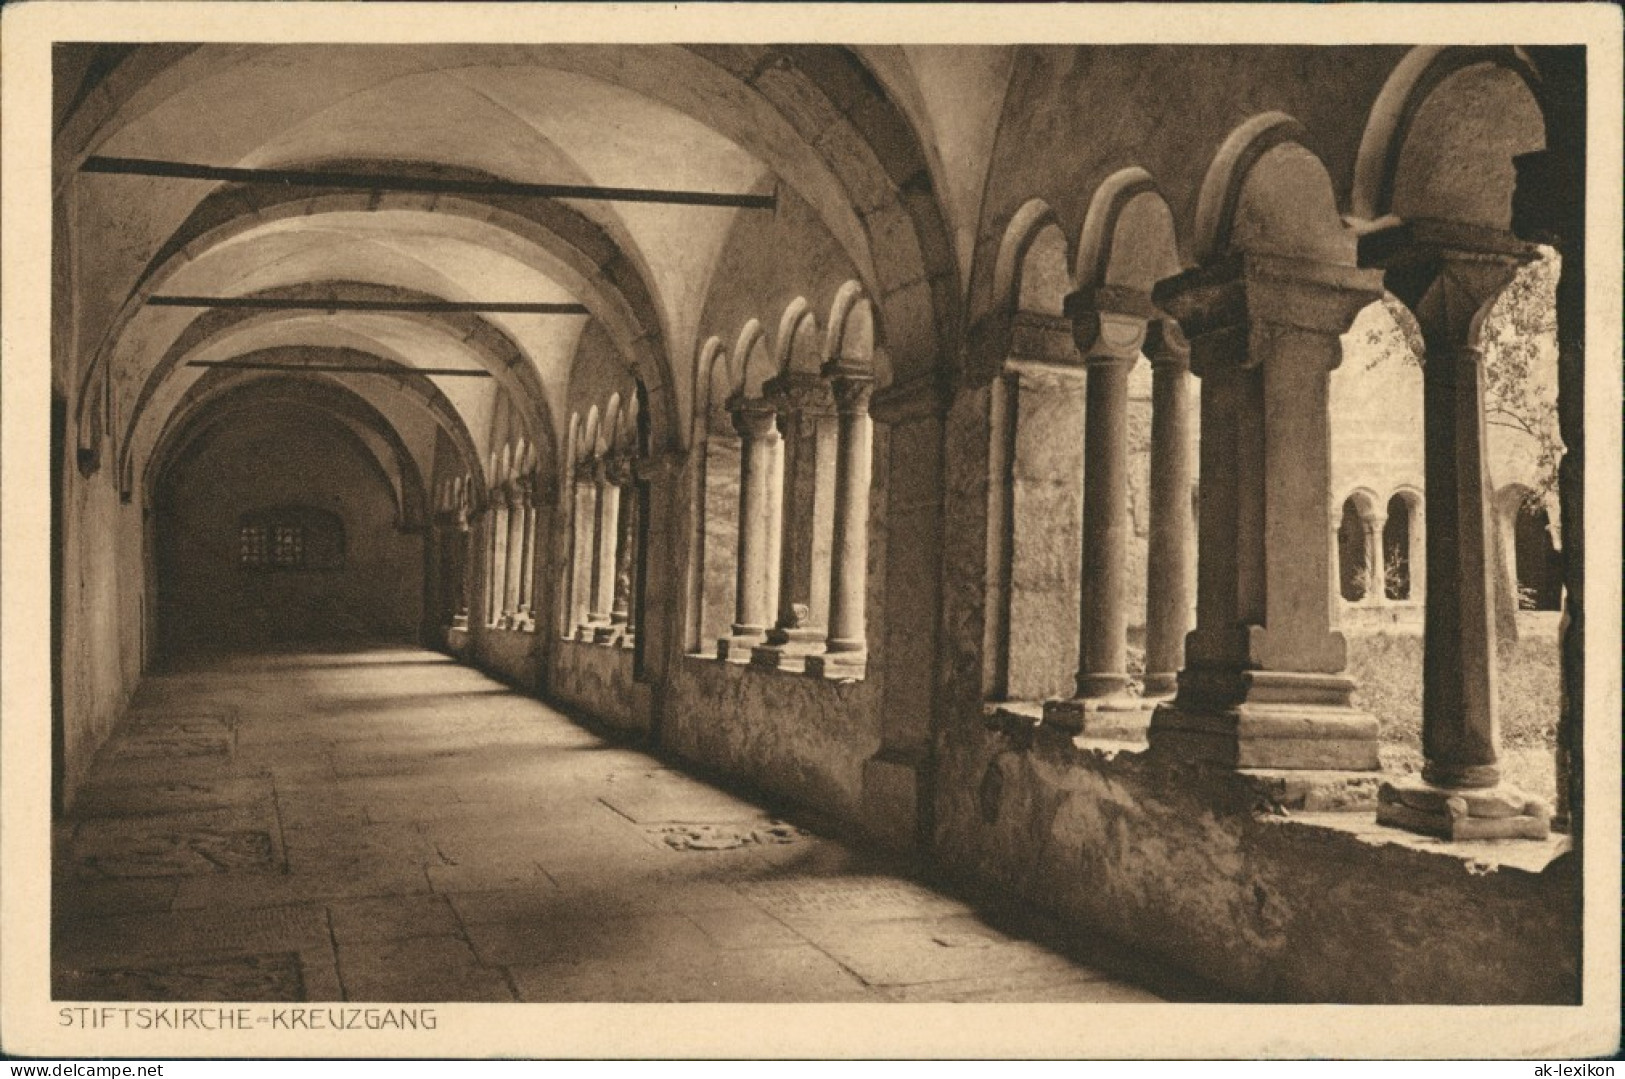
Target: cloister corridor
381,823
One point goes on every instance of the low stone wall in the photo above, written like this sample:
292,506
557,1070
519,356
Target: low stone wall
597,679
800,737
508,654
1212,872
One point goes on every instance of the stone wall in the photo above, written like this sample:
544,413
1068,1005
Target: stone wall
597,679
1211,872
511,655
793,735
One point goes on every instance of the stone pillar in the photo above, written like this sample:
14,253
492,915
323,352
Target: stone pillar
1449,275
1109,329
1168,583
514,564
1263,683
845,652
604,536
1548,206
806,417
754,419
496,585
620,474
775,524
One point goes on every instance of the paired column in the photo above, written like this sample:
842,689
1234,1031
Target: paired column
845,652
1109,327
1448,275
1263,683
620,474
807,422
755,420
1375,568
462,570
1168,583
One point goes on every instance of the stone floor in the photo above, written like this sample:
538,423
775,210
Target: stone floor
385,825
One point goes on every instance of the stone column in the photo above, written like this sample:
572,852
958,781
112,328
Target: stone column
806,417
1376,568
845,652
1168,584
1416,557
463,567
754,419
582,548
527,558
775,524
1109,330
1449,275
1263,683
620,474
496,585
604,536
513,561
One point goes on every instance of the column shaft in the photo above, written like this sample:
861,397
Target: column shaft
515,559
1168,584
527,559
496,585
807,421
849,562
1103,610
603,578
754,420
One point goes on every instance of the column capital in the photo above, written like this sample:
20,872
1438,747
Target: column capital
618,469
1447,273
1216,305
1165,345
1109,323
753,417
800,392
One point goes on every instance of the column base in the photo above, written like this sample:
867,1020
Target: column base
787,650
587,633
606,634
1159,687
1266,719
628,641
894,797
737,648
1120,715
1454,814
838,666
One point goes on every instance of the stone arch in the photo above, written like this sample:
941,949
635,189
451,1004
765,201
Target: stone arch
590,435
1527,549
850,343
1024,306
1129,239
1356,558
229,397
610,428
415,386
815,114
1457,159
578,253
753,359
796,347
714,382
1404,555
1268,191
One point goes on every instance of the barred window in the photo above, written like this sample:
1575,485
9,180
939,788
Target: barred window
291,538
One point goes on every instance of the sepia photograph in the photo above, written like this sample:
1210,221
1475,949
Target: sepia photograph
543,505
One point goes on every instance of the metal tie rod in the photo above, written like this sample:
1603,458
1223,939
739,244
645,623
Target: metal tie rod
338,368
181,170
268,303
